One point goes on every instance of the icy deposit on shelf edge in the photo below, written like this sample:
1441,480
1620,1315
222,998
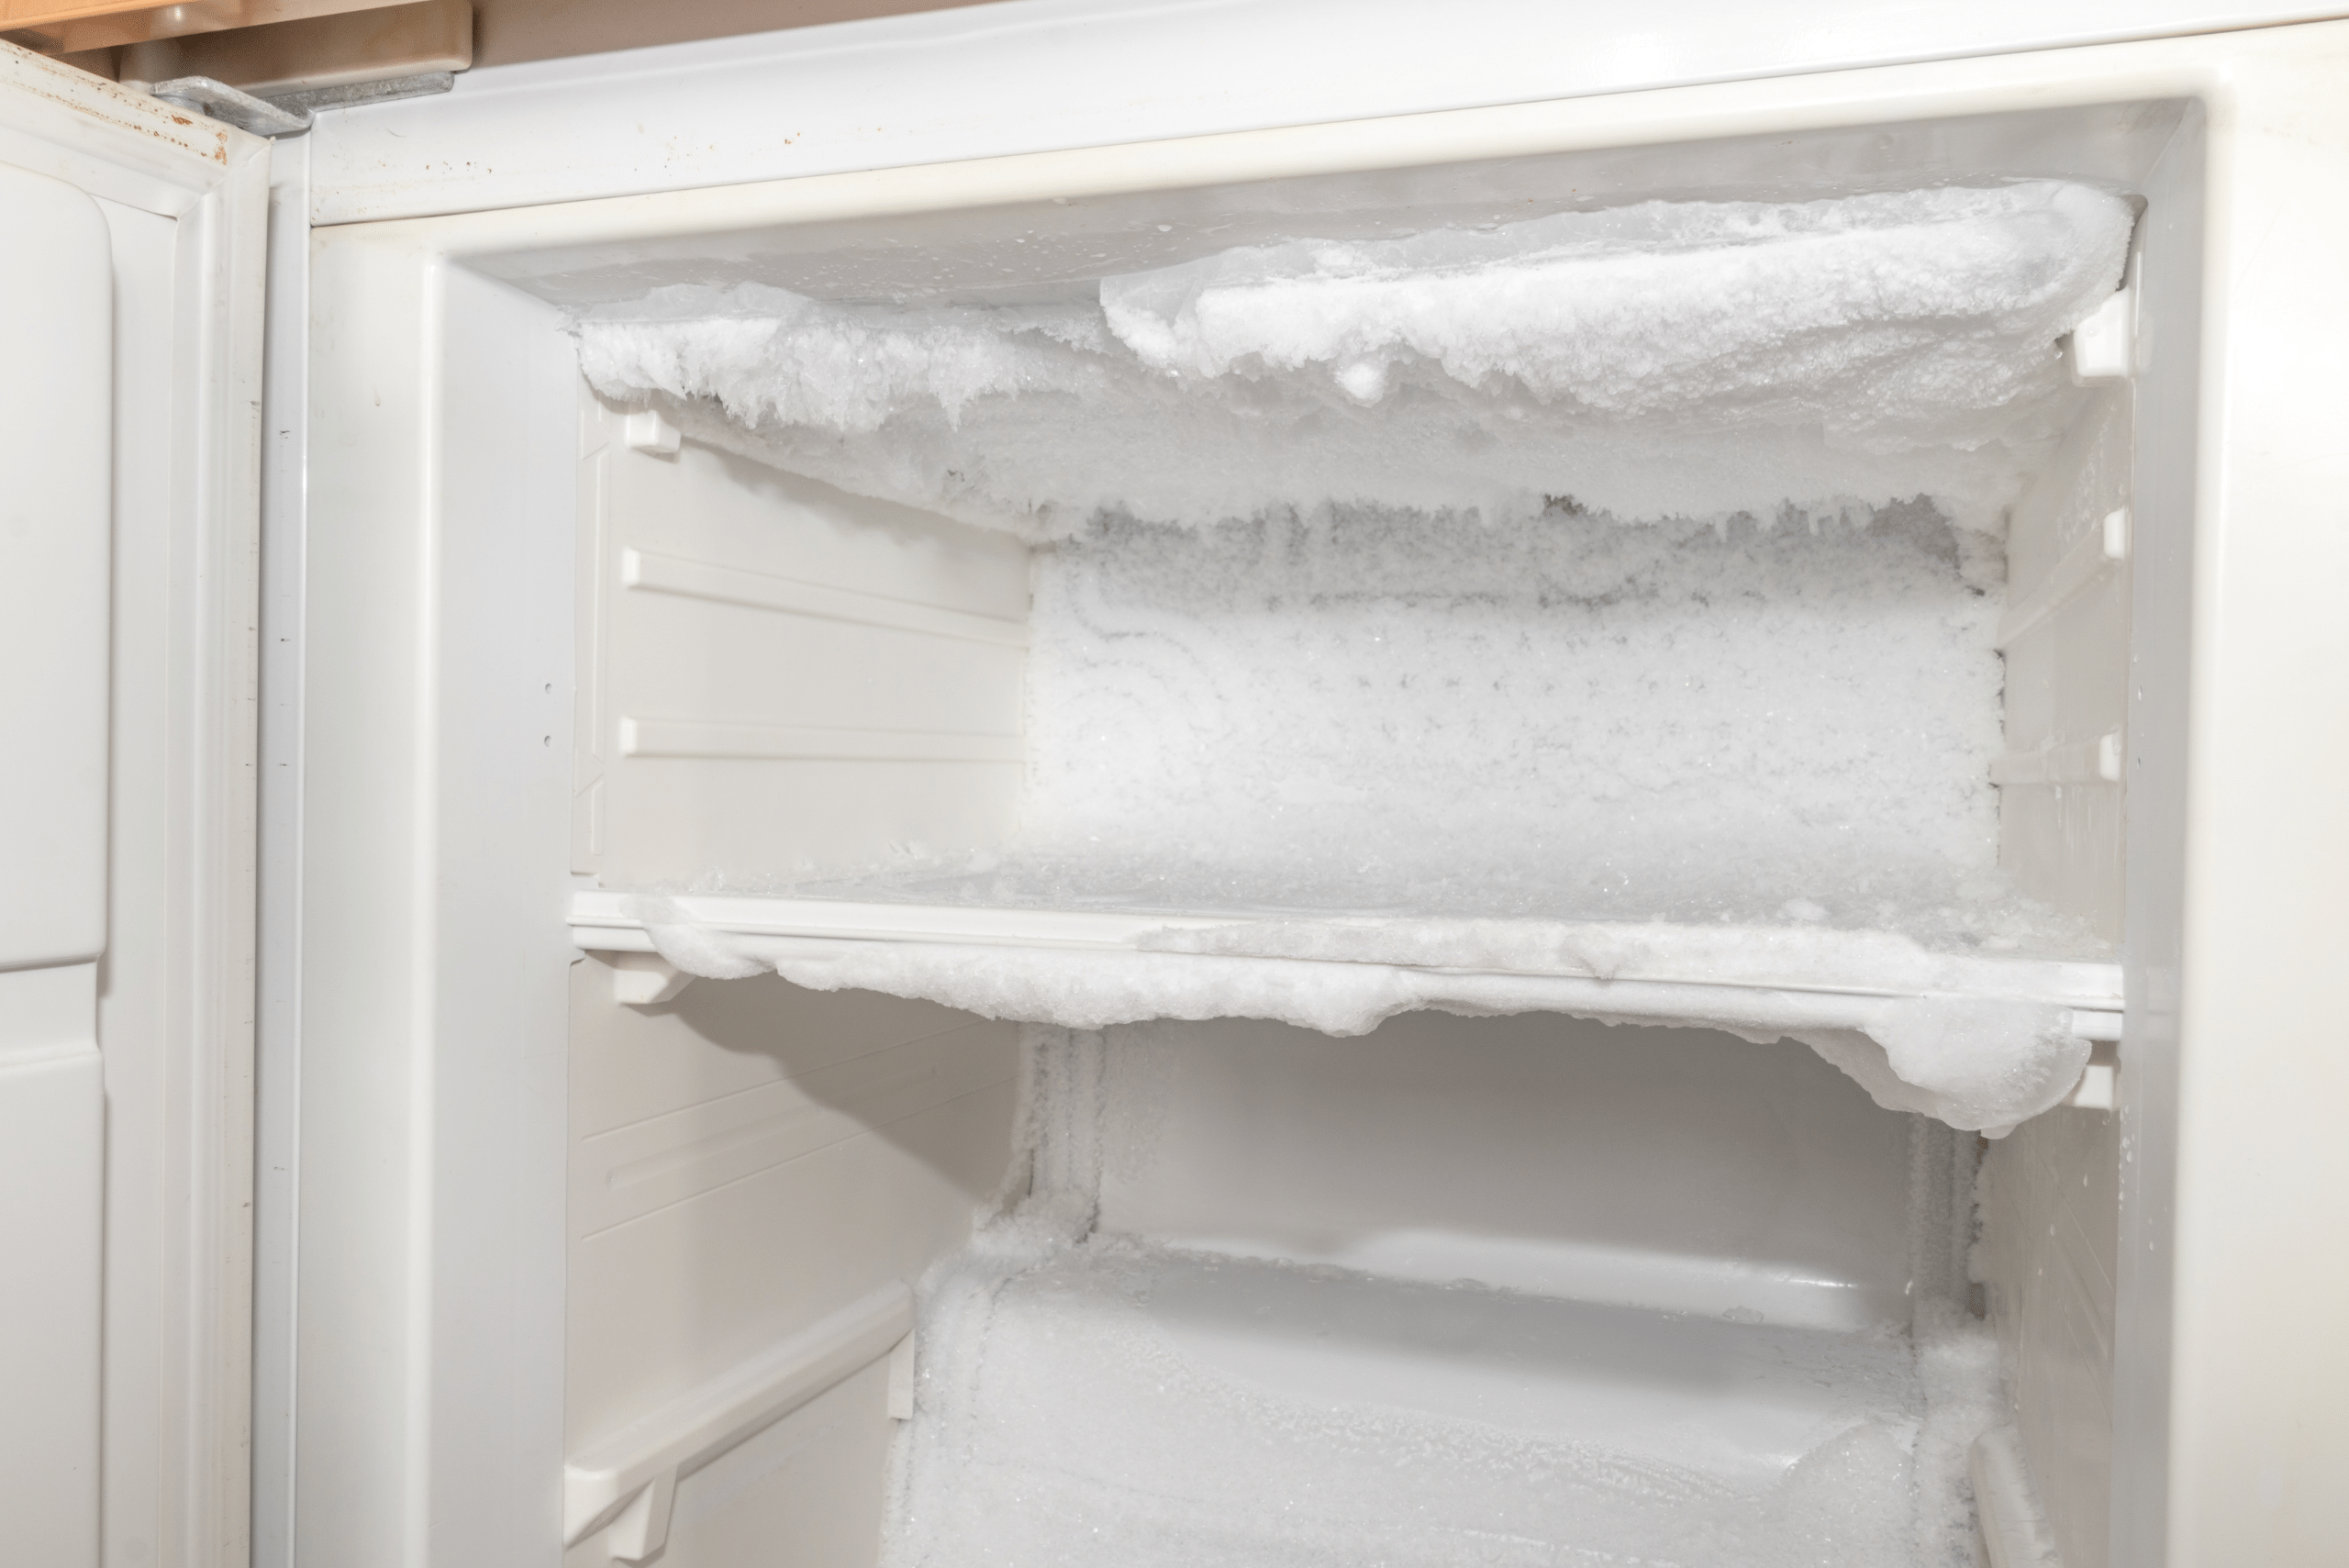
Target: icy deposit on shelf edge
1694,359
1978,1063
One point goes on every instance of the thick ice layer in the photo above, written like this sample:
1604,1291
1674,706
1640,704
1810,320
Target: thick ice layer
1087,1400
1694,359
1891,319
1120,1406
1569,717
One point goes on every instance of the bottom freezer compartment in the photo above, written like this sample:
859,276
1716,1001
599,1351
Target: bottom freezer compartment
1125,1404
1461,1290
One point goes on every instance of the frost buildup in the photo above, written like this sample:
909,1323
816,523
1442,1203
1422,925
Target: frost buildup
1085,1396
1689,360
1634,566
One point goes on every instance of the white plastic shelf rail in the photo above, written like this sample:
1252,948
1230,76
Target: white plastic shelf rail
1806,985
626,1483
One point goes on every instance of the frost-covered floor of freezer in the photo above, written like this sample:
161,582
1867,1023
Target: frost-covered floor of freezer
1119,1403
1094,1397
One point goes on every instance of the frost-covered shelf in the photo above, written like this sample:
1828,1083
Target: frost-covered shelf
1907,1022
1837,969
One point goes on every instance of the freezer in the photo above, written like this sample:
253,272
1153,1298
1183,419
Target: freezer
1448,824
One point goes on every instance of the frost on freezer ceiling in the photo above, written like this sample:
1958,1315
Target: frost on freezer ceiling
1664,360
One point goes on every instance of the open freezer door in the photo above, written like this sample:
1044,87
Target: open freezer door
56,437
130,235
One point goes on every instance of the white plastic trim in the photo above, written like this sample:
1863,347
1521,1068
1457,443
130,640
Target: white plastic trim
2097,762
627,1479
901,1380
2095,1091
2083,566
2104,346
711,738
645,980
651,573
604,921
1042,75
2014,1528
1821,994
646,431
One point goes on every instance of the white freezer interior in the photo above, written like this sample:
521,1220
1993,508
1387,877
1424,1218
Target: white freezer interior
710,573
1661,1224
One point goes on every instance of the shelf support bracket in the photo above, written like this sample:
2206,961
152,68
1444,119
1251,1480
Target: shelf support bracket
645,979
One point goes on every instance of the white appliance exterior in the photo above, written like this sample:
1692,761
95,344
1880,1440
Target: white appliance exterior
434,752
1041,75
58,418
408,834
132,238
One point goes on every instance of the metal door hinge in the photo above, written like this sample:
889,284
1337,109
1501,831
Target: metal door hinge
217,100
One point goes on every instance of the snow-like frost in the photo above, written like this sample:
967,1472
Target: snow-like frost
1090,1398
1567,719
1660,359
1896,319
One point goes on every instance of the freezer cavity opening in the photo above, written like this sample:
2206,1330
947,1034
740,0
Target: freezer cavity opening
805,716
1320,631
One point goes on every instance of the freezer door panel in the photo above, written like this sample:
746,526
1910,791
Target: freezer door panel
128,445
56,438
